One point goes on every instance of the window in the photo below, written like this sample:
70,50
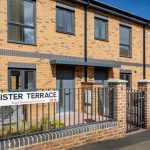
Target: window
65,20
126,76
101,27
21,80
101,74
21,25
125,43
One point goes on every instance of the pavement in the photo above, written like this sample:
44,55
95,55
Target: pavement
134,141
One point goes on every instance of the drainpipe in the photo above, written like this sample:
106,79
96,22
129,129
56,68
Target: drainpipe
85,39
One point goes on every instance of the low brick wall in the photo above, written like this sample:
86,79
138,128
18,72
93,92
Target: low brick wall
66,139
80,135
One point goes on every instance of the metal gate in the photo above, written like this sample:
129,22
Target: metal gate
135,110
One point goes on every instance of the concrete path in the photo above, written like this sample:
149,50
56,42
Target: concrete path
137,141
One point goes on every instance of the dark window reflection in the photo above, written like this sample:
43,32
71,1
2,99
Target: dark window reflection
101,29
125,43
22,21
22,80
65,20
29,80
128,77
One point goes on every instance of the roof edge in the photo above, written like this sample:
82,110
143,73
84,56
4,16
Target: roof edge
115,11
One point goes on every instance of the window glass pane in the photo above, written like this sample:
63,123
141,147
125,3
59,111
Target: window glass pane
126,76
128,79
15,33
60,19
101,75
69,22
122,76
29,35
28,13
124,35
22,11
100,29
15,80
103,29
97,32
16,11
29,80
124,50
20,34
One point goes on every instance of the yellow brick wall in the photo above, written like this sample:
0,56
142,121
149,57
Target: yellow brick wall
110,50
51,42
148,52
48,40
45,73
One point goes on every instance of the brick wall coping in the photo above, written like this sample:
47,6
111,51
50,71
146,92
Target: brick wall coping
44,137
144,81
95,83
117,81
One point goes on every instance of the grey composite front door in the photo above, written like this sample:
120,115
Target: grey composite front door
101,76
65,85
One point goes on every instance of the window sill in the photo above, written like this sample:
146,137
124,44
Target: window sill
125,56
22,43
58,31
101,40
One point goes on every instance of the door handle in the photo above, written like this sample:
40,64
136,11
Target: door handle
68,93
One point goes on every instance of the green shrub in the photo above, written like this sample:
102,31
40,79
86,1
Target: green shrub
57,124
53,124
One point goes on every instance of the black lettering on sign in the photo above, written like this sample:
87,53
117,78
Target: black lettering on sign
15,96
41,95
36,95
28,94
20,96
11,96
5,97
46,95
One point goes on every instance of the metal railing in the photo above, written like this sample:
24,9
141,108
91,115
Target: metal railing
135,110
76,107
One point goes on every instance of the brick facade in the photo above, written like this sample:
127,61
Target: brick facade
147,52
50,42
52,45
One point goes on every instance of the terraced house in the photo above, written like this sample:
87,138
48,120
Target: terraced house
48,38
69,45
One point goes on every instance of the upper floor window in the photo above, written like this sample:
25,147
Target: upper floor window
101,29
65,20
125,41
21,23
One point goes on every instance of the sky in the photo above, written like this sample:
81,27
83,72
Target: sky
138,7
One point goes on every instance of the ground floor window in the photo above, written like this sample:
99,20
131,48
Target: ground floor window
101,74
128,77
21,79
